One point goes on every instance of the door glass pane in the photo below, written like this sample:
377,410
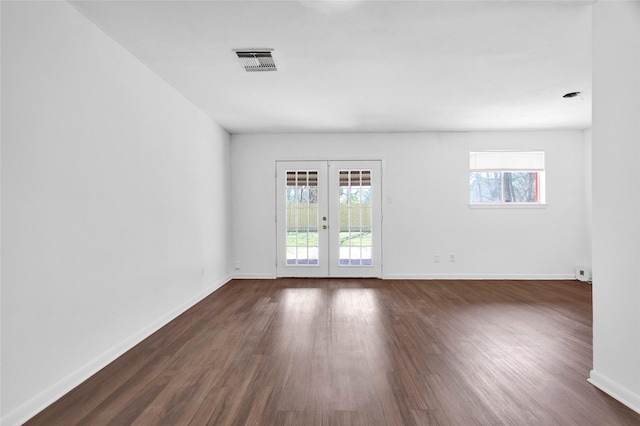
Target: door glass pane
302,217
355,211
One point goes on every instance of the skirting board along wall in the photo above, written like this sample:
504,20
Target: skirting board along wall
615,390
439,277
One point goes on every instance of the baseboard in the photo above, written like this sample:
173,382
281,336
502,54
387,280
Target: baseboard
479,277
45,398
259,276
613,389
253,277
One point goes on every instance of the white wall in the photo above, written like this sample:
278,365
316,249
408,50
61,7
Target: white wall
426,176
616,200
115,196
588,195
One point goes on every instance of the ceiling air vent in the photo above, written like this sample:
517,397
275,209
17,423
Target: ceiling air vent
256,60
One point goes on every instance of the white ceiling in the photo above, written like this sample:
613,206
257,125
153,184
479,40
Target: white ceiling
367,66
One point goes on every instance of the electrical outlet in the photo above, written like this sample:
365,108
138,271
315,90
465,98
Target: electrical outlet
237,266
452,258
436,258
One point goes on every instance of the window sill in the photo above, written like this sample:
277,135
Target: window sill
508,206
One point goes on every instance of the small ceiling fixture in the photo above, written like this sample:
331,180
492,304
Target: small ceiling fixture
571,95
256,59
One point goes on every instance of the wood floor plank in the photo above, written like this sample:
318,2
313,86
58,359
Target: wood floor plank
359,352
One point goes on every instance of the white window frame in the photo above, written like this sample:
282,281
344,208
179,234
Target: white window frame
514,162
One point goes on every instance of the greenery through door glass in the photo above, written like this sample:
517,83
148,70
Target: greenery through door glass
310,238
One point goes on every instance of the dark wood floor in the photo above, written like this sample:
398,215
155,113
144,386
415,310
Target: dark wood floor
359,352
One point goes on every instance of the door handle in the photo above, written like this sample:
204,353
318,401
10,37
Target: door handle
324,218
324,226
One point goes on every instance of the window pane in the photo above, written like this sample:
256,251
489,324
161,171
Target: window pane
302,217
485,187
520,187
355,210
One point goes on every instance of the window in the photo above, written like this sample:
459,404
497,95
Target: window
501,177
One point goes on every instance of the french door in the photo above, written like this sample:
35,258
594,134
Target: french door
329,219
